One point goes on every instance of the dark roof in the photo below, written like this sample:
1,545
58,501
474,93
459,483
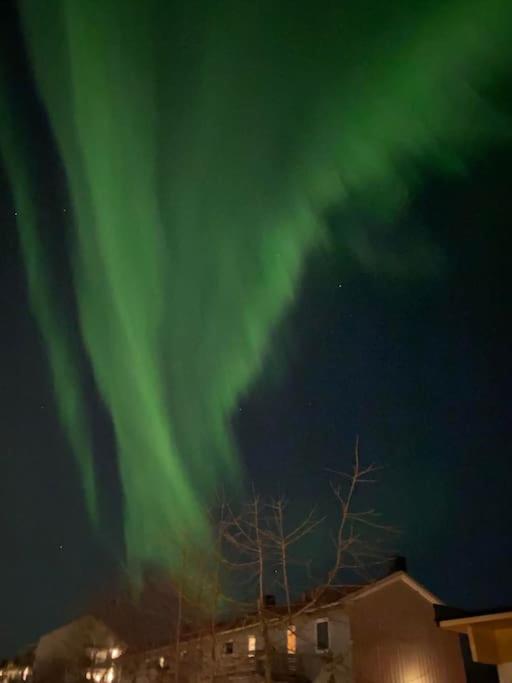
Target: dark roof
445,612
326,597
157,638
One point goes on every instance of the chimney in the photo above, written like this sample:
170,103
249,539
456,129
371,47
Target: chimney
398,564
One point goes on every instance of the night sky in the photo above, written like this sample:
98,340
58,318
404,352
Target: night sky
415,363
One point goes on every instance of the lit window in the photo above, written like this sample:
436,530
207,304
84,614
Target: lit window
322,635
101,655
228,647
88,675
115,653
251,646
110,675
161,662
291,640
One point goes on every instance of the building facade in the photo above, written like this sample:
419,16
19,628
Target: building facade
395,638
384,632
381,633
84,649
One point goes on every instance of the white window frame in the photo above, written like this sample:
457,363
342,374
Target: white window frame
323,620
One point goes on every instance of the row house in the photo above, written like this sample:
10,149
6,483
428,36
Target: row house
384,632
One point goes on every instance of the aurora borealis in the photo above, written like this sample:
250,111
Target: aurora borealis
202,145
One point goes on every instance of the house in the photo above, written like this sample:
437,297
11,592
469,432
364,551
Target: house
383,632
89,647
395,638
20,668
13,671
84,649
489,634
146,664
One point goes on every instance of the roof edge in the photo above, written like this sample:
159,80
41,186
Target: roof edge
391,579
478,619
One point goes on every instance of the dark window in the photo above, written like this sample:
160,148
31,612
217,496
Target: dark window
228,647
322,635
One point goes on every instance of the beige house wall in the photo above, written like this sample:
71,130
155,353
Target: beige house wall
396,640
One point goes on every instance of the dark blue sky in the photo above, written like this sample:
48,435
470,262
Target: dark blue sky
417,365
420,368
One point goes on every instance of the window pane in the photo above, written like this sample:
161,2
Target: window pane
291,640
251,645
228,647
322,635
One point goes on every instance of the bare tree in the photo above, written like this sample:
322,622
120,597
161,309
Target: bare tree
253,547
247,538
261,542
280,542
200,596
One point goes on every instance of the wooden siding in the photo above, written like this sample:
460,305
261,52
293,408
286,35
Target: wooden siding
396,640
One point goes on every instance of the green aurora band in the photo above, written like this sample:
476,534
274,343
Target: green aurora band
203,143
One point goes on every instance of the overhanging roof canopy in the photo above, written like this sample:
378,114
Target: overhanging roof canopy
490,635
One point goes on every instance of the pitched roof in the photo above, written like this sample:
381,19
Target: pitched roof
396,577
332,597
